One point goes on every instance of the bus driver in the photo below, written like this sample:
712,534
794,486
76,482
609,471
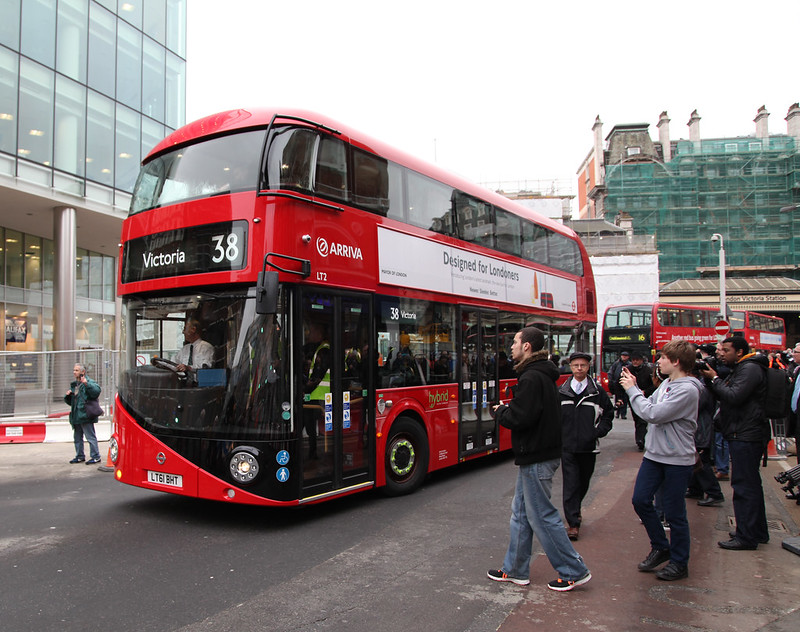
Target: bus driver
196,352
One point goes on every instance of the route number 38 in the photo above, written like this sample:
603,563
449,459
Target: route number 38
228,250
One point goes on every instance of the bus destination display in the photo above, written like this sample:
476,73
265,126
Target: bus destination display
192,250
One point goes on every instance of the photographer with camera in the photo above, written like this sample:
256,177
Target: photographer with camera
744,425
720,454
703,485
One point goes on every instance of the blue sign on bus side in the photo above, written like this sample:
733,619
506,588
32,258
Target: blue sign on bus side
282,474
282,457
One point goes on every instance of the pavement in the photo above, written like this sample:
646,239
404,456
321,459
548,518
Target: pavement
726,590
737,591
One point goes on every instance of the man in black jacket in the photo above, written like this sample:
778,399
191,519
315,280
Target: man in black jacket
586,415
534,418
746,430
614,373
643,372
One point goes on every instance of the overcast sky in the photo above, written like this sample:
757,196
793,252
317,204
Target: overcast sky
504,90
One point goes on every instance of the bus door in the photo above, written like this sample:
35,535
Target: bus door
335,377
478,390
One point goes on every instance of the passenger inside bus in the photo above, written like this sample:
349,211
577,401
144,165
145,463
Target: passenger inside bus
317,375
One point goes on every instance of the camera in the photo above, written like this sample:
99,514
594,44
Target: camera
701,365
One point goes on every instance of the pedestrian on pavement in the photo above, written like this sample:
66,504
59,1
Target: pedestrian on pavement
747,431
614,373
586,415
643,372
669,457
792,427
81,390
703,484
721,457
534,417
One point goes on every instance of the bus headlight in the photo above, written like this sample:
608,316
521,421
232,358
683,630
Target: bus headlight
113,450
244,466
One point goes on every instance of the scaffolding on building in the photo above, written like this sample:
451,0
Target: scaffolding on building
745,188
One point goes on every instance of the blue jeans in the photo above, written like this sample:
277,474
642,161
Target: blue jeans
672,481
78,433
532,512
721,454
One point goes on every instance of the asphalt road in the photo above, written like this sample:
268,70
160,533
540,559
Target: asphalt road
80,551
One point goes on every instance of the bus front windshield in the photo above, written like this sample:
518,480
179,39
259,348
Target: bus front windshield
206,365
226,164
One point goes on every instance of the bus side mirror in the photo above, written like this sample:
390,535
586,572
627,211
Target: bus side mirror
267,292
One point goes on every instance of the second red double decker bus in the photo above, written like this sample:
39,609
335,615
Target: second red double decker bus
646,328
354,308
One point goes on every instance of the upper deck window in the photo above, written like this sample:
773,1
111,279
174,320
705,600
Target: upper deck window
429,204
474,220
635,316
220,165
370,182
304,160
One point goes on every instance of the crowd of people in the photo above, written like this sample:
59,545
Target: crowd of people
700,417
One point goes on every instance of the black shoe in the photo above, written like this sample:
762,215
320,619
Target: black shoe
710,502
733,537
640,446
92,461
673,571
78,459
734,544
656,558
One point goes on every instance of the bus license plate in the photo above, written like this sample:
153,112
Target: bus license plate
171,480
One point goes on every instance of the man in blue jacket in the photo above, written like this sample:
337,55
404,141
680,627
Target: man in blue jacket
586,415
534,417
747,431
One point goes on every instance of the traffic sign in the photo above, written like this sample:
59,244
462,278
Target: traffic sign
722,327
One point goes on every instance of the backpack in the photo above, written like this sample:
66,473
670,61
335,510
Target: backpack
777,393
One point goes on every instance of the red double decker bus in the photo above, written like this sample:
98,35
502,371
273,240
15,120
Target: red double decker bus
354,308
646,328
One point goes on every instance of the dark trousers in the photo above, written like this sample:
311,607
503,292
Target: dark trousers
576,473
672,479
640,429
621,404
703,480
748,494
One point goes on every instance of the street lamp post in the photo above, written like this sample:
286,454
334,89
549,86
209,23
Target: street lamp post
722,303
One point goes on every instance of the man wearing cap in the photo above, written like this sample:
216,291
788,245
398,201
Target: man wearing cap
614,373
586,415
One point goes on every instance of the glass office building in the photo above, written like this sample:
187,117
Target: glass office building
87,88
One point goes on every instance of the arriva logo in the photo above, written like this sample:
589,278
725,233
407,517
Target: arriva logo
438,398
340,250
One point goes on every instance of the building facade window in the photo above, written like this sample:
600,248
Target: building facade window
70,124
73,39
36,87
87,87
9,74
39,31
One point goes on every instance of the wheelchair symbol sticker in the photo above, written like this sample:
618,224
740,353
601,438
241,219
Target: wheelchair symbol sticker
282,457
282,474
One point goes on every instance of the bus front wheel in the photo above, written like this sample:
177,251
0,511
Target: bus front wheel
406,457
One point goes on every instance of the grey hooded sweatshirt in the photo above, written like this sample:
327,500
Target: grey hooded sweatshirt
671,413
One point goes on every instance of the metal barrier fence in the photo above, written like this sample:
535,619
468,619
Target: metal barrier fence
33,384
